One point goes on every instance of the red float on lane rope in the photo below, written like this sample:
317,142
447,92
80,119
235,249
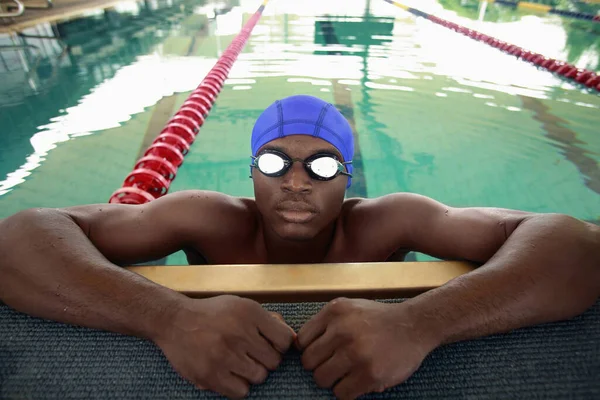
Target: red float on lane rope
198,98
130,195
198,107
147,180
176,141
166,151
191,113
160,165
154,172
178,127
593,81
204,93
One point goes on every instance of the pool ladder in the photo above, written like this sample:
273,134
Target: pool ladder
20,8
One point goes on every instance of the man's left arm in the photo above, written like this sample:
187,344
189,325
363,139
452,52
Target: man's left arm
529,261
535,260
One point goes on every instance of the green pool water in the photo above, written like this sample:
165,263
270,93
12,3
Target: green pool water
434,112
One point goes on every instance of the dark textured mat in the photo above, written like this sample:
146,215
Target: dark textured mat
47,360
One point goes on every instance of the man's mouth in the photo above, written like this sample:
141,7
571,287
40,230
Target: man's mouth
296,213
296,217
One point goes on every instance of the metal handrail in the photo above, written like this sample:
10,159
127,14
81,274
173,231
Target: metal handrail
20,10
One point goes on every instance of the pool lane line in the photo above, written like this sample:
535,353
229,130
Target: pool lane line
164,108
568,71
195,42
343,102
154,172
161,114
546,8
566,141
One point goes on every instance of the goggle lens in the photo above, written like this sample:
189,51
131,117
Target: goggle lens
319,166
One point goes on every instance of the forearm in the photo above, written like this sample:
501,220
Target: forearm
548,270
51,270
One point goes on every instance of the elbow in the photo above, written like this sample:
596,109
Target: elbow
31,214
583,240
573,248
565,229
24,224
554,220
15,225
595,253
26,216
15,221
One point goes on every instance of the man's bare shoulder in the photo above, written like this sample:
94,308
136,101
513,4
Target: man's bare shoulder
383,222
201,202
384,219
382,206
213,198
211,219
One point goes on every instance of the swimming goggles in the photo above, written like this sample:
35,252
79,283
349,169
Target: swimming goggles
320,166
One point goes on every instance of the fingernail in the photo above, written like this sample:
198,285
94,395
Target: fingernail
278,316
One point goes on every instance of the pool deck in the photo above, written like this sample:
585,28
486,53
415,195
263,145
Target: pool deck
60,11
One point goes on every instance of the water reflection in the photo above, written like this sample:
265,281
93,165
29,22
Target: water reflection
382,66
93,86
580,39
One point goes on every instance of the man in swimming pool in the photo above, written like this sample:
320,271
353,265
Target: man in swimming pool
62,264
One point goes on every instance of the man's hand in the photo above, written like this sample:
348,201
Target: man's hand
225,343
362,346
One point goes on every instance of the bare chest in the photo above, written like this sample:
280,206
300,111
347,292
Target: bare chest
346,247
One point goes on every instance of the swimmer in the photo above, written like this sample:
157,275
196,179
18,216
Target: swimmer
64,265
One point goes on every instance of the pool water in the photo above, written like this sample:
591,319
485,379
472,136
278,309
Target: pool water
433,111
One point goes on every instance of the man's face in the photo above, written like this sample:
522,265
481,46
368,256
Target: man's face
295,206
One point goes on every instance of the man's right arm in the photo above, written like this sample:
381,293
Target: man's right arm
60,264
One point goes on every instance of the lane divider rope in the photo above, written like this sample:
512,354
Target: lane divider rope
579,75
153,173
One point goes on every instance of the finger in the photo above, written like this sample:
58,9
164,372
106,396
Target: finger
230,385
263,352
275,331
332,370
319,351
311,330
247,368
191,375
279,317
297,343
352,386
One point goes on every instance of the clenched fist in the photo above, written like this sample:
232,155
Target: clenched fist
225,343
362,346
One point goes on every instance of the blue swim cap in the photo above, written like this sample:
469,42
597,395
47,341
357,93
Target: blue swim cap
304,115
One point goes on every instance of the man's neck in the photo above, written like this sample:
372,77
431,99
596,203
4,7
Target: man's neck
282,251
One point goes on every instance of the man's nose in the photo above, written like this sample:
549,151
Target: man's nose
296,180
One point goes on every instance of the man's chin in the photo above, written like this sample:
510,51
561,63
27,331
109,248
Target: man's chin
295,232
